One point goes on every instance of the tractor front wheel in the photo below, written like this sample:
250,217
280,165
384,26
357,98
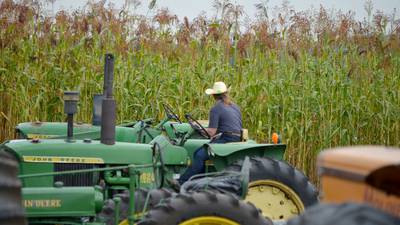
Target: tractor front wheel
204,208
278,189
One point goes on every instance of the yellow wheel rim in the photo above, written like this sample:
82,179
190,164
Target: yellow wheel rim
124,222
209,220
276,200
203,220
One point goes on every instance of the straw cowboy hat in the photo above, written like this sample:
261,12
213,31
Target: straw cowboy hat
218,88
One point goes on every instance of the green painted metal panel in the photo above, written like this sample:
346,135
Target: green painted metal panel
172,154
61,202
34,168
179,127
123,133
276,153
51,129
147,177
224,155
58,130
81,152
40,157
192,145
230,148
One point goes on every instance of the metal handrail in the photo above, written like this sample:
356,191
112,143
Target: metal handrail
85,171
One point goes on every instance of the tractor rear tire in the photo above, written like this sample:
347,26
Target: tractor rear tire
204,208
344,214
107,214
11,209
277,188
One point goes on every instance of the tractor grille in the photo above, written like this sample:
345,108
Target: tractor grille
78,179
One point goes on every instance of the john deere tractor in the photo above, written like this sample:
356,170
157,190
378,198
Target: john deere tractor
72,180
142,131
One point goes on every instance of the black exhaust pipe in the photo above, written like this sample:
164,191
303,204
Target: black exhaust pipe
108,103
70,107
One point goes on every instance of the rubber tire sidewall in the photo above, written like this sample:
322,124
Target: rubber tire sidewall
344,214
184,207
264,168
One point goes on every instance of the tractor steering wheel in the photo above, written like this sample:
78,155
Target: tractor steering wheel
170,113
197,126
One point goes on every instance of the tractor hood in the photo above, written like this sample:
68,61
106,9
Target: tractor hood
57,130
52,129
80,151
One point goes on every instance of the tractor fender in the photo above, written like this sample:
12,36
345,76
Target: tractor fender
246,148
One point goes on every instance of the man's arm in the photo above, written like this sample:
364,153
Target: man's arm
213,120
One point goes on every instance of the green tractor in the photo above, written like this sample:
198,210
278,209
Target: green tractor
141,131
72,180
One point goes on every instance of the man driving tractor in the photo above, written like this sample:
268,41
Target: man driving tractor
225,125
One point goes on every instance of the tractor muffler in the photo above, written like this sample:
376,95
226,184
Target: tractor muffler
108,103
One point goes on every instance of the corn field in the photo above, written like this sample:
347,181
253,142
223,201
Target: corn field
318,78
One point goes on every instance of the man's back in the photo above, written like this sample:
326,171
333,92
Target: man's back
225,117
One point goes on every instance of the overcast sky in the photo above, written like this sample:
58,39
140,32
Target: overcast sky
192,8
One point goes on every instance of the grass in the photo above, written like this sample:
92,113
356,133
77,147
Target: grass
318,81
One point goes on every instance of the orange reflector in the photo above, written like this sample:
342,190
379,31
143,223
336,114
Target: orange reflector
275,138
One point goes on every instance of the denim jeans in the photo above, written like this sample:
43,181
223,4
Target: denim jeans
200,156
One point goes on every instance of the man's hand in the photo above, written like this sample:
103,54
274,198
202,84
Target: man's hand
211,131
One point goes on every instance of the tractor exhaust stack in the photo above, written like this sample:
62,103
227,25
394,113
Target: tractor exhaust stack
70,107
108,103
